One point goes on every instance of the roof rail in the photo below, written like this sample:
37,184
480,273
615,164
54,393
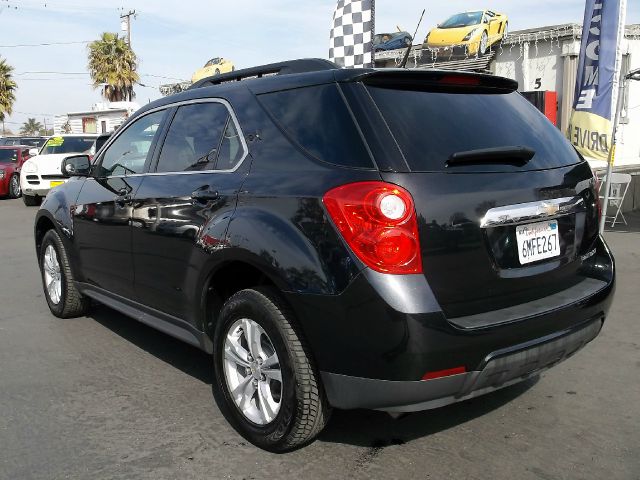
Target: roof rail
281,68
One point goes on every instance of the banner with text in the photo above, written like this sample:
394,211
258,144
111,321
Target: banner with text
599,65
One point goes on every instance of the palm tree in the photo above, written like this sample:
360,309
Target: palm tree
112,66
31,127
7,90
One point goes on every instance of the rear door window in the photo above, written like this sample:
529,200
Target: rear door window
318,120
430,126
202,136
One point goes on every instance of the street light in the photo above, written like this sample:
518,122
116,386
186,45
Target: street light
632,75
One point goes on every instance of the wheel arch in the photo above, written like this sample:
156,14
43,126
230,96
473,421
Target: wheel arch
228,278
42,225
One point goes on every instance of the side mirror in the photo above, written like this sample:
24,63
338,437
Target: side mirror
33,152
76,166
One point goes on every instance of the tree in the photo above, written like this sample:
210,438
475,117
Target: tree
31,127
7,90
112,66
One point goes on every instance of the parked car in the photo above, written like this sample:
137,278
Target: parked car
42,172
468,33
215,66
11,161
302,229
100,141
391,41
29,141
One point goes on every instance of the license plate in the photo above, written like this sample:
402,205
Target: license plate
55,184
537,241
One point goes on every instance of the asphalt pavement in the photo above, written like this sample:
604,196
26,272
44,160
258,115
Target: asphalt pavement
105,397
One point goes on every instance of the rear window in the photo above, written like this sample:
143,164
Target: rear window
8,155
318,120
430,126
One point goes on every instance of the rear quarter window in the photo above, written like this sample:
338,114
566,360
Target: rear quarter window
430,126
318,120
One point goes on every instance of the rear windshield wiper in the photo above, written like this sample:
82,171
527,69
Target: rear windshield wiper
510,155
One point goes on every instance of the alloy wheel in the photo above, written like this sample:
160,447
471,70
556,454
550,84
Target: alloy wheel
252,371
483,43
52,274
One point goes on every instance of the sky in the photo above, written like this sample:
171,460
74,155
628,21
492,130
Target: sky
172,39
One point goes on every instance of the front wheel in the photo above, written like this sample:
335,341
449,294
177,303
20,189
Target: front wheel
267,384
14,186
63,298
484,43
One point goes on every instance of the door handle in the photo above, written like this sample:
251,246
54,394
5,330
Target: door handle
205,194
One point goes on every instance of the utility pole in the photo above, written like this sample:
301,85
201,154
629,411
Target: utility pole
126,23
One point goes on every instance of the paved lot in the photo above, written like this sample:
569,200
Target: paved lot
104,397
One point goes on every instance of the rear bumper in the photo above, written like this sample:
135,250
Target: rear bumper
498,370
374,342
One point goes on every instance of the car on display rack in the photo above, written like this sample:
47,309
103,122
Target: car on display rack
468,33
391,41
42,172
11,160
215,66
29,141
294,222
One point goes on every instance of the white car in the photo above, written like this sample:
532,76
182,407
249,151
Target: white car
42,171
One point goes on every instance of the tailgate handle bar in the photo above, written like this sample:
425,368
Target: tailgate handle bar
531,211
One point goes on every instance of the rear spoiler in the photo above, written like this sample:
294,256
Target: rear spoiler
431,79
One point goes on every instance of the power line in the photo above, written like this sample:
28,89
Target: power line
52,73
86,73
44,44
36,113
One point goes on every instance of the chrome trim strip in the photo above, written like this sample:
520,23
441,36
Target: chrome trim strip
522,212
167,107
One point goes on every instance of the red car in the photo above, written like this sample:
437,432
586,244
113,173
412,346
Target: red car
11,160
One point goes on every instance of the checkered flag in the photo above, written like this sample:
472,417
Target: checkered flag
351,38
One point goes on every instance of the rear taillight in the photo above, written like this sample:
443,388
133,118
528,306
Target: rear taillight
378,222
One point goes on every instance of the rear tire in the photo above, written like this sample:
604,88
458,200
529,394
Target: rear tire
302,408
31,200
64,299
14,186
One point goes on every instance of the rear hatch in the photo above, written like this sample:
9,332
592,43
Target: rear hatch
506,208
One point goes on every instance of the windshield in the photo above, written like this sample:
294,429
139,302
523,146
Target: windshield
381,38
68,145
32,142
8,155
462,20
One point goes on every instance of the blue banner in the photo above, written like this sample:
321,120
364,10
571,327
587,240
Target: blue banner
598,71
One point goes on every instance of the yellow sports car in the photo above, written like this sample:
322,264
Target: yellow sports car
215,66
468,33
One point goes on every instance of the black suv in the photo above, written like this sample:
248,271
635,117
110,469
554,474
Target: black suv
385,239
